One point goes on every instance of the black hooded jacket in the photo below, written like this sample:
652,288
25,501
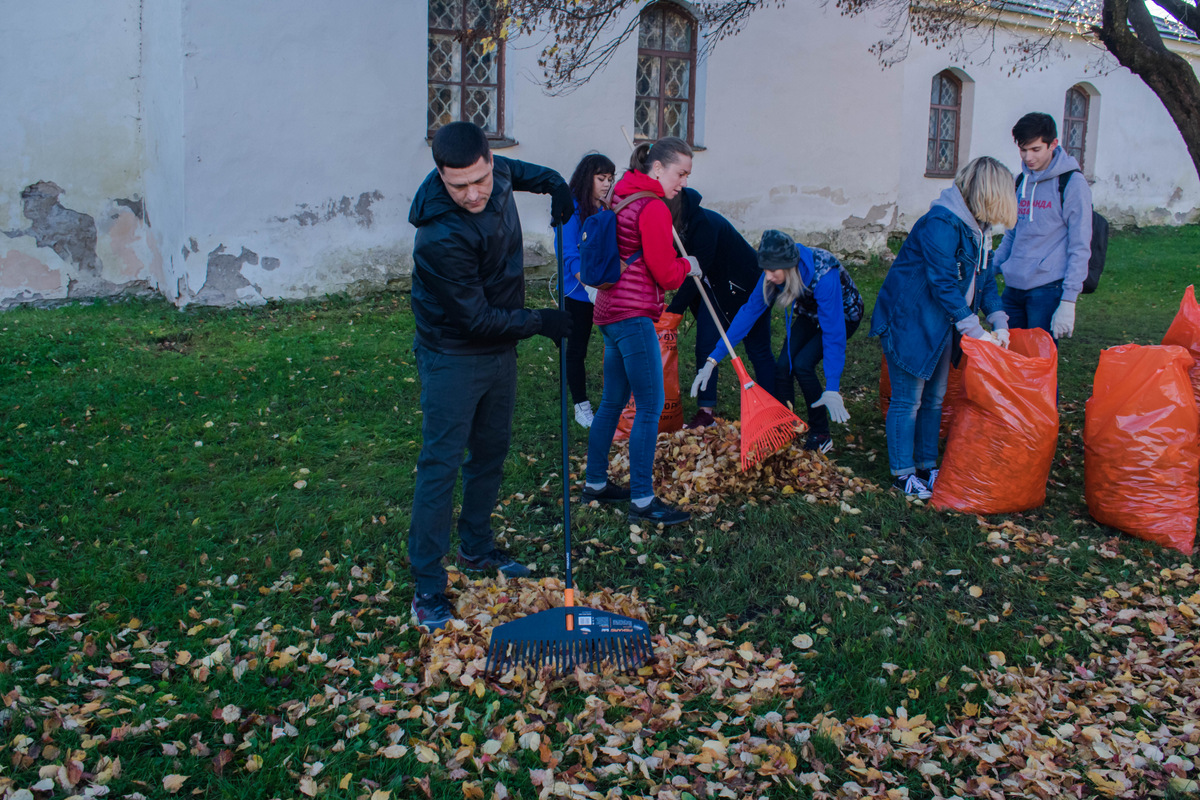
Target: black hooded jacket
468,280
729,262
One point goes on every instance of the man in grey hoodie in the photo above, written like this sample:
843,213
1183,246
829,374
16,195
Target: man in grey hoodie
1044,258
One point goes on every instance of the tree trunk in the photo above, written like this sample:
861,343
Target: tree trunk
1169,75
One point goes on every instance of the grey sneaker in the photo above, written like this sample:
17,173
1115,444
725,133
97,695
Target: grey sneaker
432,612
494,559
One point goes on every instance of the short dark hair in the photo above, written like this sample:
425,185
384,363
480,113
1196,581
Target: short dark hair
459,145
1034,126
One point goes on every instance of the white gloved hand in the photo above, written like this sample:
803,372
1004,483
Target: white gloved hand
694,270
833,403
1002,337
703,376
1063,322
592,292
985,336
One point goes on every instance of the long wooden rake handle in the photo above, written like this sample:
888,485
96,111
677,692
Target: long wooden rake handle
699,284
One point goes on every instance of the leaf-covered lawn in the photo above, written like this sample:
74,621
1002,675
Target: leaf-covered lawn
203,568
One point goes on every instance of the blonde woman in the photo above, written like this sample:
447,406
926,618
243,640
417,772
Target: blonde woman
935,288
823,309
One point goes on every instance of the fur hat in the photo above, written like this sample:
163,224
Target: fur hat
777,251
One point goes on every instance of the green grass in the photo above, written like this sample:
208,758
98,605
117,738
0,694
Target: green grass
149,464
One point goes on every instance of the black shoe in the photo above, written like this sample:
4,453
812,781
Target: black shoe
929,476
819,442
658,513
609,494
494,559
912,487
432,612
702,419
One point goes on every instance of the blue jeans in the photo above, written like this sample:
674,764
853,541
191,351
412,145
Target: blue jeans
807,350
467,404
632,363
1032,308
914,416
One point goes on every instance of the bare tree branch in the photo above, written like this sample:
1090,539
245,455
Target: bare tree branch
1186,13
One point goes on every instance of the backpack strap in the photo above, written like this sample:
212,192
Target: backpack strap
631,198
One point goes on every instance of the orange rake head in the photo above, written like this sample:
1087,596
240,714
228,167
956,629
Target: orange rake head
767,424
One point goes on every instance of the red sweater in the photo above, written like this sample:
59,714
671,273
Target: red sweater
642,225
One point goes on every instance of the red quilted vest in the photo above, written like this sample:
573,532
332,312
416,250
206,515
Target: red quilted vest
637,293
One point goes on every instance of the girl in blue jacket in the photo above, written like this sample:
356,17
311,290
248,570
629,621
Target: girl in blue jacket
823,309
590,184
939,281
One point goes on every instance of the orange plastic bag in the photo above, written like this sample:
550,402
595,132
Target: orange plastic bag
950,403
671,420
1185,332
1001,443
1141,459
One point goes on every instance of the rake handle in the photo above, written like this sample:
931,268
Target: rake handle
700,285
562,392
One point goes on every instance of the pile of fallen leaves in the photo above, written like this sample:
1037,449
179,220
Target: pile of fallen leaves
696,469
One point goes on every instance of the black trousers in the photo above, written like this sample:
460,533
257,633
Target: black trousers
807,351
577,345
467,407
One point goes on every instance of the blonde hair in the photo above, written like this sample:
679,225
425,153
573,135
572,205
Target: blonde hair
988,188
785,295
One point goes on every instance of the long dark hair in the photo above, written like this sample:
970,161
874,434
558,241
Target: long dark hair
582,183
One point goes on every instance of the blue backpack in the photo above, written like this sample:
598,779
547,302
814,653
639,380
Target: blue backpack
600,264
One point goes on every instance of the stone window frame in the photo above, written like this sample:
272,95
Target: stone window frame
691,56
466,38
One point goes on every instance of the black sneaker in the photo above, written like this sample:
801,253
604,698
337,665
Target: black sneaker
432,612
609,494
658,513
496,559
912,486
819,443
702,419
929,476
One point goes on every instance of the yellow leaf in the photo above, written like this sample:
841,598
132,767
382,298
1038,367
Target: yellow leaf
997,658
394,751
976,591
183,657
380,794
344,783
254,763
472,791
293,555
173,783
970,709
802,642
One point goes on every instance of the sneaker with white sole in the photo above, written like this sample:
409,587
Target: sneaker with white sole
929,476
819,443
912,486
584,414
495,559
432,612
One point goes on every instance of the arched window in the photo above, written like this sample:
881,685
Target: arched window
665,89
466,82
945,110
1075,119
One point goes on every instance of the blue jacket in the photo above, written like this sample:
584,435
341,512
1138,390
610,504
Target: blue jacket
925,293
822,273
1052,240
572,233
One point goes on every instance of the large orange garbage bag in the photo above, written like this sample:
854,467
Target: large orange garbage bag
1185,332
671,420
1002,440
950,403
1141,459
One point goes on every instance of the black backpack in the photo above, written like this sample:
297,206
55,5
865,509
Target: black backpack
1099,235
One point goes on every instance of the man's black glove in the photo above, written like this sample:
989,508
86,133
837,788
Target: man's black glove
562,204
556,324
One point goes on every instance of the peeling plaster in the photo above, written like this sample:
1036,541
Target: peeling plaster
359,211
874,219
224,284
836,196
70,234
20,273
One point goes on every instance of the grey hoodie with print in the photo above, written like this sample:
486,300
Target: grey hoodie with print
1052,240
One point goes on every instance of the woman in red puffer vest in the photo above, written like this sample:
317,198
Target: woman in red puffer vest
625,315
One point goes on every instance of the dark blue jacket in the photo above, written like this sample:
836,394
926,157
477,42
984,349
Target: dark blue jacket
925,291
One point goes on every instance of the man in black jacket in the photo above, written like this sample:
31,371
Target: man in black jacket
468,298
730,266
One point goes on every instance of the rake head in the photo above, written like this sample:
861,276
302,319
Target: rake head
767,424
544,640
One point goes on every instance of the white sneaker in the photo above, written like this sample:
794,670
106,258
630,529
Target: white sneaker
583,413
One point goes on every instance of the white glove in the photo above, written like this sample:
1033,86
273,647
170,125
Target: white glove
703,376
694,270
833,403
985,336
1063,322
1001,335
592,292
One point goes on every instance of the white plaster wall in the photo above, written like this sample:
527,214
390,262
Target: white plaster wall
71,100
289,107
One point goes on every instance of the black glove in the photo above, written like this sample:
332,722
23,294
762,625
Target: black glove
556,325
562,204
